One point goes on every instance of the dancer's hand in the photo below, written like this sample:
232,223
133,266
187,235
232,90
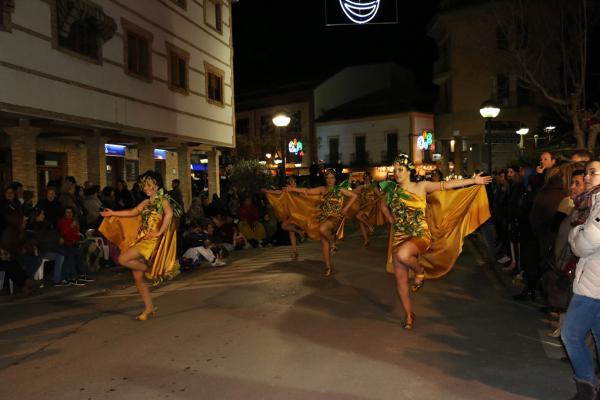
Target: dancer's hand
482,180
152,234
107,212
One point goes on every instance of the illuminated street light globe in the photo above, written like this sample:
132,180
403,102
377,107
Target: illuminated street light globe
281,120
489,109
523,131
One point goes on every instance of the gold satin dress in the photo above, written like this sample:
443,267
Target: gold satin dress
161,252
437,224
331,207
408,209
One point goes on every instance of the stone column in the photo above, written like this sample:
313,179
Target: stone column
214,179
23,150
96,159
184,160
146,156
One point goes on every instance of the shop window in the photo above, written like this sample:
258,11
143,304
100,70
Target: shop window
178,66
7,7
132,170
137,49
214,84
82,28
213,14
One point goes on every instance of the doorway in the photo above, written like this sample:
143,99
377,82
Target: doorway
51,167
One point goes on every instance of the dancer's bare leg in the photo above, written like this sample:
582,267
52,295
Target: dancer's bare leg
138,277
401,274
365,233
326,242
132,259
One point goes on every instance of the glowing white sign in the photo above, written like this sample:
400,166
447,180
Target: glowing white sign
360,12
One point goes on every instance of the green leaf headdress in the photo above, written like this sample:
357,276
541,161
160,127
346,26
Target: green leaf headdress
404,161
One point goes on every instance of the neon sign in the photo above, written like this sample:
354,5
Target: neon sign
425,141
358,11
295,147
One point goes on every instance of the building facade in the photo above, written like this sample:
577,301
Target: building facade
257,137
107,89
474,65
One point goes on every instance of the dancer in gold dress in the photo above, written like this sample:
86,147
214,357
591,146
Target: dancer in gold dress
368,209
332,211
411,236
287,222
146,236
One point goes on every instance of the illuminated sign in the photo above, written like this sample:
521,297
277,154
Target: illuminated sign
361,12
114,150
160,154
425,141
295,147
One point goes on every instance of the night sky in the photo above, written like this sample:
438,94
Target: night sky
280,42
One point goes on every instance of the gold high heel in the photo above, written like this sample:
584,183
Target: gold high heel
146,316
409,325
328,272
294,256
417,285
366,243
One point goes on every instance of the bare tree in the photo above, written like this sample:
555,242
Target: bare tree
549,48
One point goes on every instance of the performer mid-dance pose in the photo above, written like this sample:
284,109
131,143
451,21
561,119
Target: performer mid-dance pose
368,201
146,236
410,234
287,222
332,212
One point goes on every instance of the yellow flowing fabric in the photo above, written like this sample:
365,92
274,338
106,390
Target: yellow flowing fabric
127,232
451,215
303,210
368,202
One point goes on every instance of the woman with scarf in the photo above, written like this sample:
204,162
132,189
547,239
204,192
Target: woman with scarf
583,314
412,233
329,219
146,236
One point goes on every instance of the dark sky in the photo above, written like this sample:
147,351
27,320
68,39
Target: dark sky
285,41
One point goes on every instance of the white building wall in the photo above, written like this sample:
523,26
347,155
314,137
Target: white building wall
40,80
374,129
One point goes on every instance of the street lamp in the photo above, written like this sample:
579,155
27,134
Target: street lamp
281,121
524,130
489,110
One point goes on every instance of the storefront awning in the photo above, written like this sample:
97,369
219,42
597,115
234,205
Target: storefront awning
70,11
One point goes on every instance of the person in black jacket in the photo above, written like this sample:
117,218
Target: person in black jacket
123,196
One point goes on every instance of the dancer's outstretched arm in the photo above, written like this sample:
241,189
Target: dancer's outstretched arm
271,191
457,183
132,212
316,190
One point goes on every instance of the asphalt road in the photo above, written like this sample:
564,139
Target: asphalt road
264,327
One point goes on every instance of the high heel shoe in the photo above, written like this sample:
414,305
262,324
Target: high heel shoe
409,321
294,256
145,316
327,272
418,282
366,243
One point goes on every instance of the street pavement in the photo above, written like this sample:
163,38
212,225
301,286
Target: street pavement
265,327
